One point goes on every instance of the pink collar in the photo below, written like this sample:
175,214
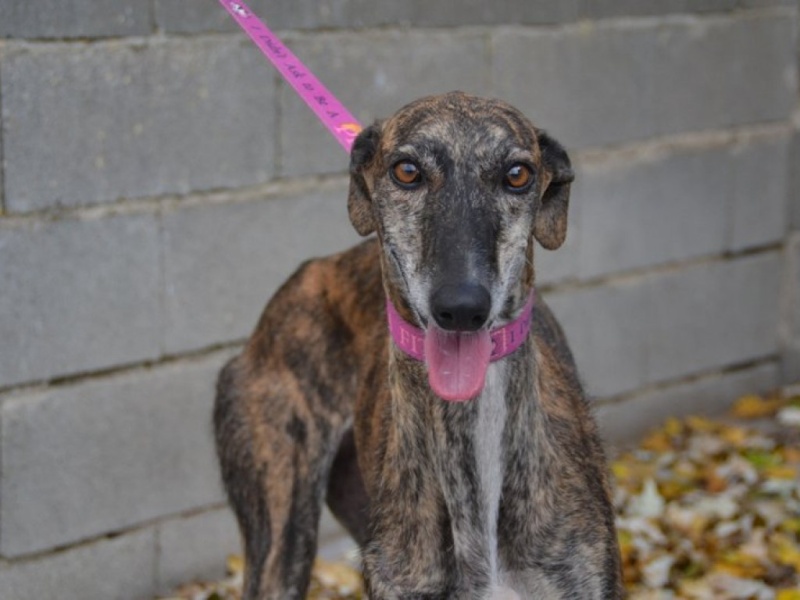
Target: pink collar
505,339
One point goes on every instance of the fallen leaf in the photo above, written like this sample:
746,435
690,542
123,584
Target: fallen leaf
649,503
755,407
789,416
235,564
701,424
786,551
656,572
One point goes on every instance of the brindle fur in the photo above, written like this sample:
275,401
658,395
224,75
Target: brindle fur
504,496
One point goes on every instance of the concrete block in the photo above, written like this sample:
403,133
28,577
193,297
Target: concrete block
477,12
2,183
600,9
374,73
78,295
765,3
329,528
758,188
667,77
713,314
670,206
223,262
794,182
671,324
120,568
191,16
653,210
186,16
790,363
87,459
604,326
75,18
86,124
623,422
194,548
790,326
792,282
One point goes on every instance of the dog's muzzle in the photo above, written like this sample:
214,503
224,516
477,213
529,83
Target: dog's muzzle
457,361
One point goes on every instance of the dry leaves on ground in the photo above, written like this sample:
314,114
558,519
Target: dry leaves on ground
706,510
711,509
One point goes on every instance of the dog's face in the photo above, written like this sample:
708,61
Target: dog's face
457,188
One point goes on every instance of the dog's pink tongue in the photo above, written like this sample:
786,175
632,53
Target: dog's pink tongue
457,362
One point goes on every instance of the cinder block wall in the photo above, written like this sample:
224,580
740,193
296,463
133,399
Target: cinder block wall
158,182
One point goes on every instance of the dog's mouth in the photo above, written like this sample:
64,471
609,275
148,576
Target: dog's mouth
457,362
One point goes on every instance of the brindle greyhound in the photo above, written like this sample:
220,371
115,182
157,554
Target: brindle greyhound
459,477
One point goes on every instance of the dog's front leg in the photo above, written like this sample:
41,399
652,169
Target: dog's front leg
275,462
408,554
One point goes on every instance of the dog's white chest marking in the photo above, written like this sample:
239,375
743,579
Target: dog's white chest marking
492,413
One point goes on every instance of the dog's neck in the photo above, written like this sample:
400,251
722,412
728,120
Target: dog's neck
467,441
505,339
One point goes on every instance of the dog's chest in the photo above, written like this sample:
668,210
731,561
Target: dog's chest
490,461
471,445
488,444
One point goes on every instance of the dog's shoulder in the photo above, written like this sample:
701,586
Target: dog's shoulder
327,301
550,337
559,387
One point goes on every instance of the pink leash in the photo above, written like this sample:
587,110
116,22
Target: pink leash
345,127
331,112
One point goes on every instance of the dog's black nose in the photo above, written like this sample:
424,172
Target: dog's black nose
462,307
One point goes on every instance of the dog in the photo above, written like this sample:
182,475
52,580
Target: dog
455,444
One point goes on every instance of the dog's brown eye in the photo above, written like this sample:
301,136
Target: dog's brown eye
518,177
406,173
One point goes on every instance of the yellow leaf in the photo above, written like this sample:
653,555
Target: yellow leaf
735,436
791,526
338,576
235,564
685,470
672,490
791,454
620,470
673,427
658,441
714,482
755,407
788,595
630,472
785,551
780,472
739,565
701,424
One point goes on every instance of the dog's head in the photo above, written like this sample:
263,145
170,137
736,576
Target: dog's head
457,188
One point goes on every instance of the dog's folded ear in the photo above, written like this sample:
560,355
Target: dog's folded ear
550,223
359,199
